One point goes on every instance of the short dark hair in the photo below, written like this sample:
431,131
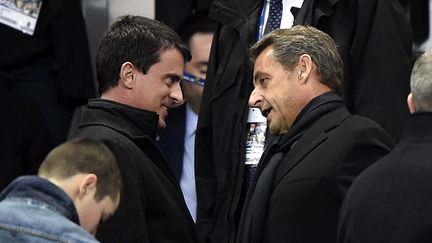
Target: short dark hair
134,39
289,44
84,155
198,22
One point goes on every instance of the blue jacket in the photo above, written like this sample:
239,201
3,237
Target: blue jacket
33,209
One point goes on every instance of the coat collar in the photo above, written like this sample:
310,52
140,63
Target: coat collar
418,127
128,120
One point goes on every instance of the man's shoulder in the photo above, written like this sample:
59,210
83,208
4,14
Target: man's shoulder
351,125
340,131
365,129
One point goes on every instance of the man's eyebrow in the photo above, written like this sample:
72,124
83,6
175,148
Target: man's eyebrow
258,75
174,76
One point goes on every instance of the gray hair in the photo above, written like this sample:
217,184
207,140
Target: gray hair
289,44
421,82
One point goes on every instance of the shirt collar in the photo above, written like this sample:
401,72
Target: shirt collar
191,121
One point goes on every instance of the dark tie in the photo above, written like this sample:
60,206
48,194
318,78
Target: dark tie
275,16
249,174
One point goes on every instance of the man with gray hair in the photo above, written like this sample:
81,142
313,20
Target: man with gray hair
319,147
390,201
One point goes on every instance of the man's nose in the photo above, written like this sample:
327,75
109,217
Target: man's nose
255,98
177,95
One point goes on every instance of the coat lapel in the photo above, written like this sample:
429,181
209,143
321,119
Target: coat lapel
313,137
298,151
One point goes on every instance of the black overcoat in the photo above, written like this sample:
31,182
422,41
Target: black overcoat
152,208
374,39
300,191
391,200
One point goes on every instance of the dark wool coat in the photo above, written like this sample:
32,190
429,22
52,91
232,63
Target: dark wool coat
300,190
374,39
391,200
152,208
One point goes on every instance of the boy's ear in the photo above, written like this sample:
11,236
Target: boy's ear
127,72
87,183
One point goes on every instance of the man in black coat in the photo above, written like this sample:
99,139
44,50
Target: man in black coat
139,66
391,200
374,41
320,147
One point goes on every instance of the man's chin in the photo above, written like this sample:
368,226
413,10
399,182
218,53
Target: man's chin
273,130
276,129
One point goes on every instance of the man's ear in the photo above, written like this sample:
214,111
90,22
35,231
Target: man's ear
127,72
410,101
87,183
305,65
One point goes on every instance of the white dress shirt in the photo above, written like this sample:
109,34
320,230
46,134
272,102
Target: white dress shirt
287,17
187,180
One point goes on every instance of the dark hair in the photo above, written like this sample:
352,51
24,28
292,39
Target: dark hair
84,155
289,44
199,22
134,39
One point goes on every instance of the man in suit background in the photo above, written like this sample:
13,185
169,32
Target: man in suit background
177,140
320,147
390,201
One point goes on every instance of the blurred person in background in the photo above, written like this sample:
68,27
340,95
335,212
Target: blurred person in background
177,140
